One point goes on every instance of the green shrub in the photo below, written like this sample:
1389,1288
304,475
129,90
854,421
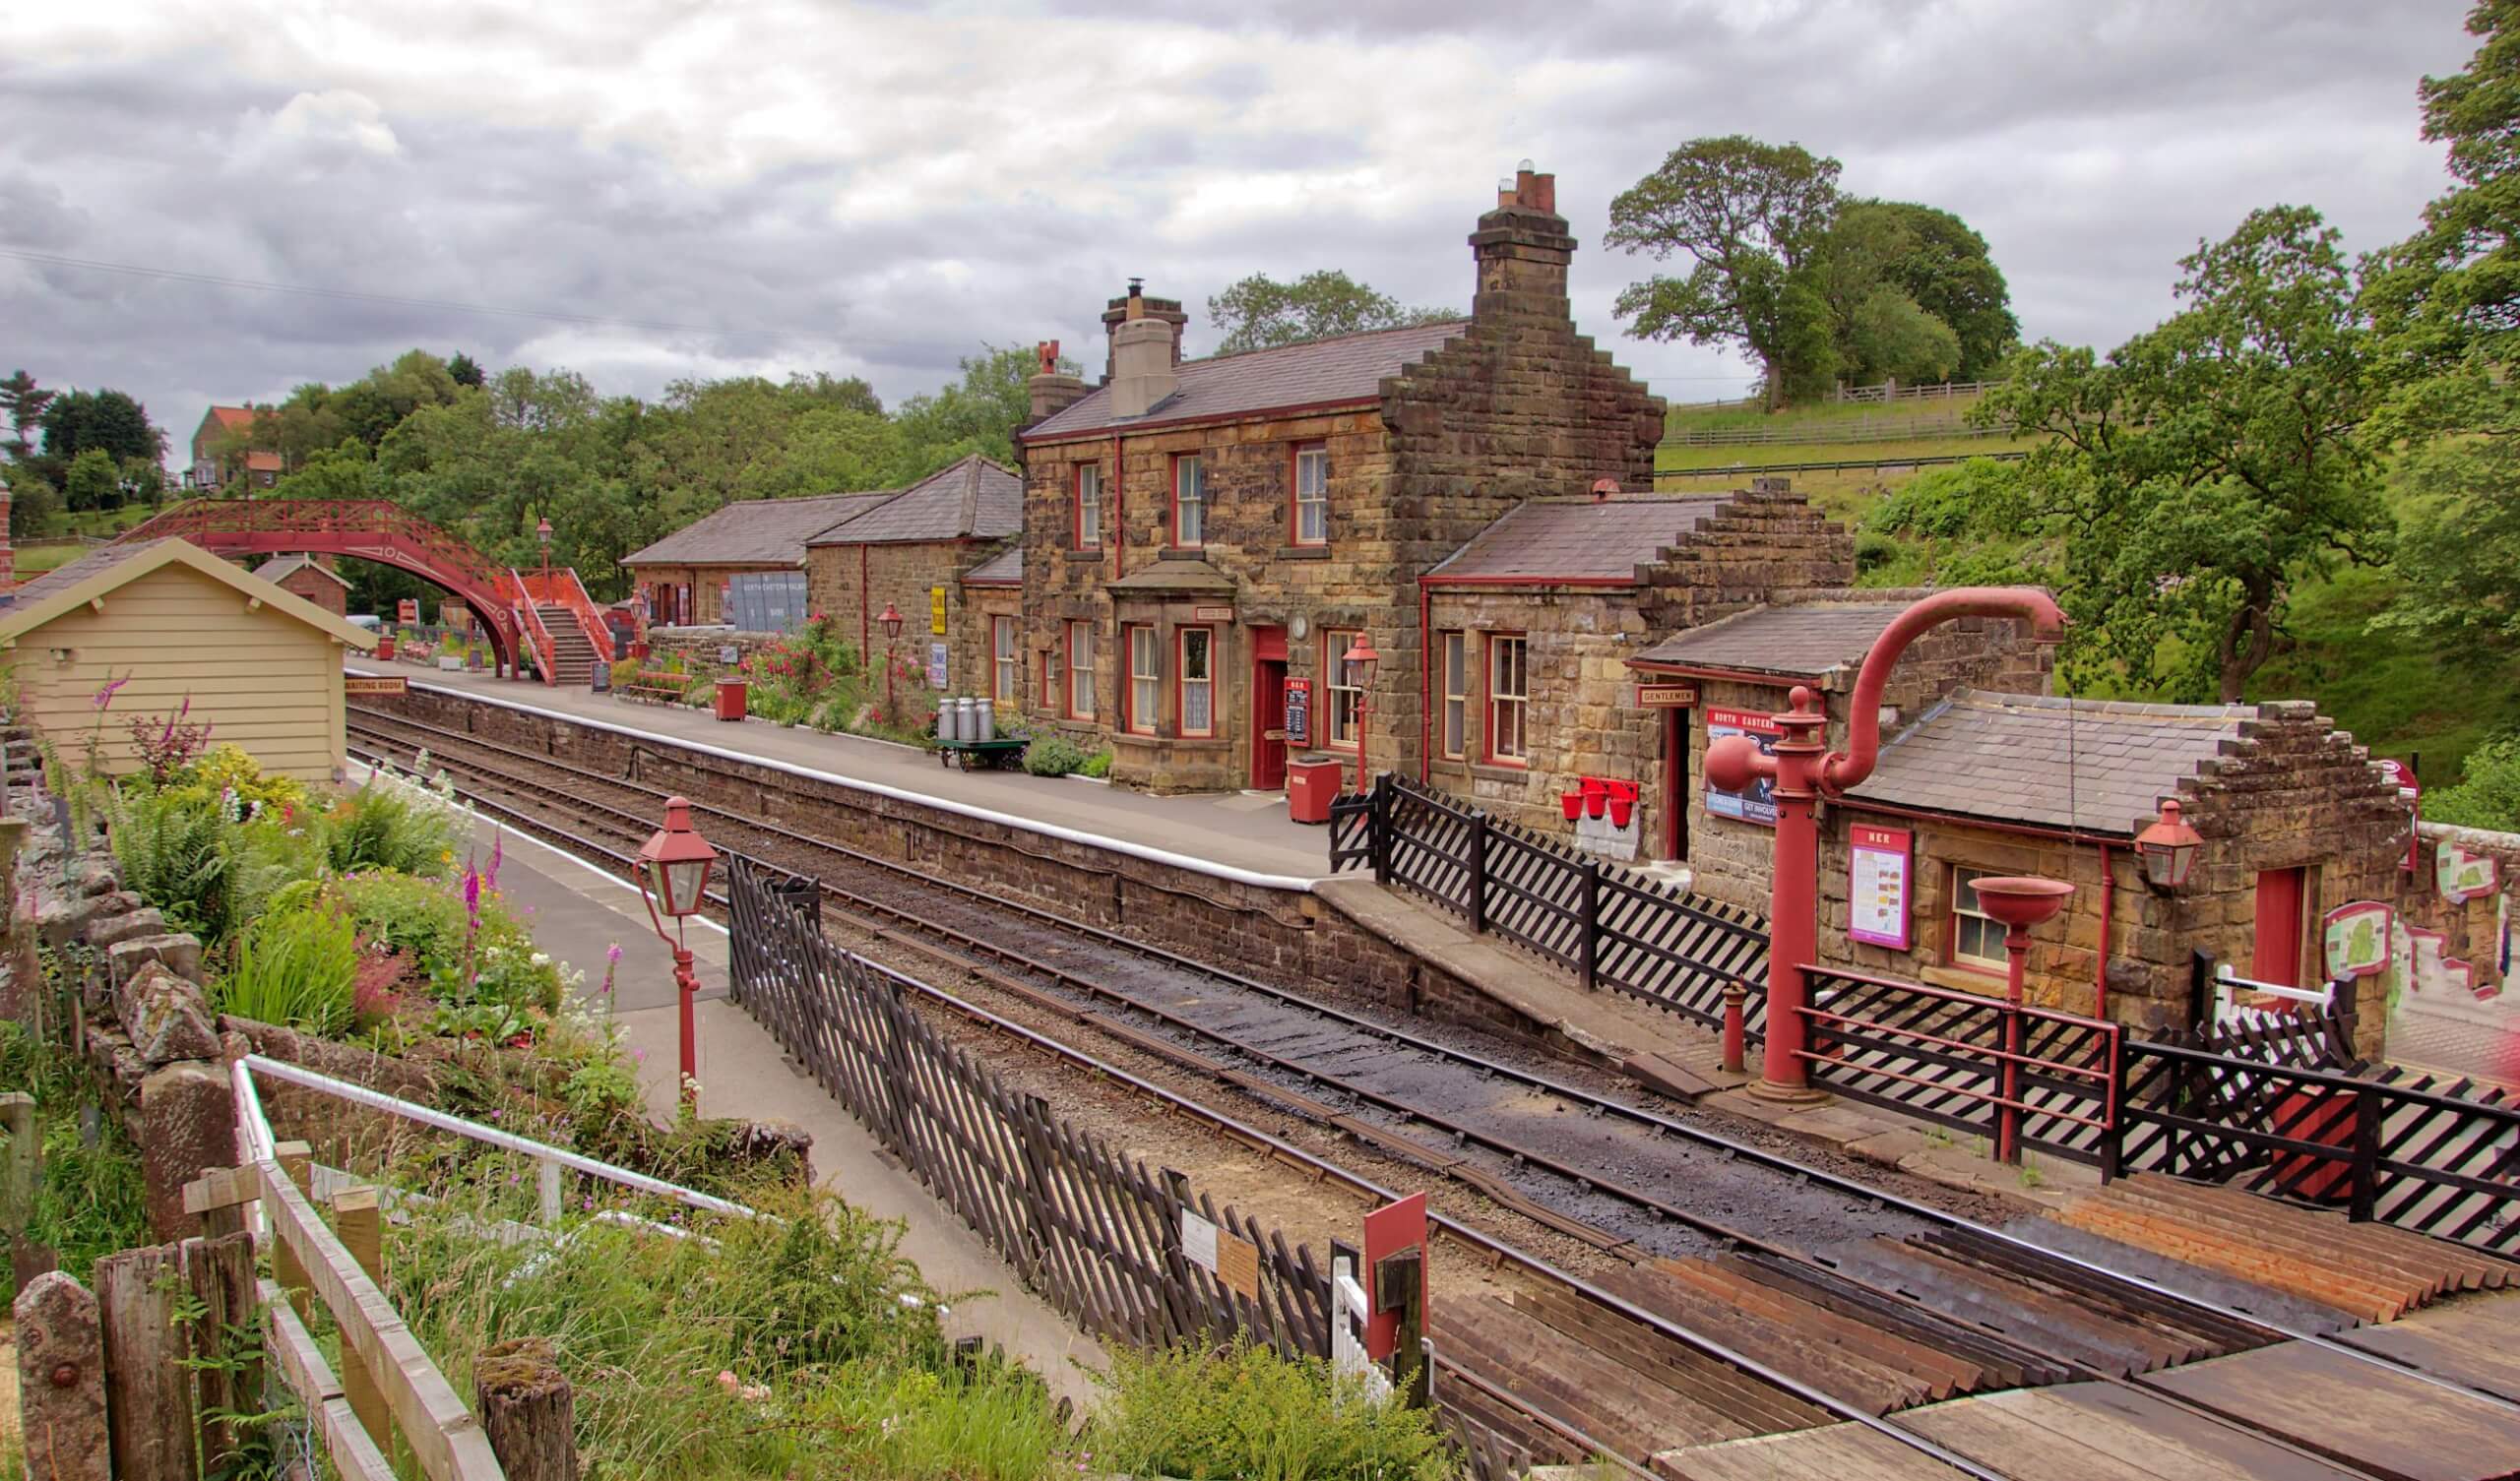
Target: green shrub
294,967
845,1377
90,1201
2487,795
1248,1413
178,854
400,912
1052,755
625,672
384,826
1098,765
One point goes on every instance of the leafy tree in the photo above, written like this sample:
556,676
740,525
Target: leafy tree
93,482
144,481
2188,481
977,413
33,502
107,421
1260,312
2446,304
464,370
24,402
1946,271
1747,214
2487,795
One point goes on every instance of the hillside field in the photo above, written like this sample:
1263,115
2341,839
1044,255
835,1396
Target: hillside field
2394,695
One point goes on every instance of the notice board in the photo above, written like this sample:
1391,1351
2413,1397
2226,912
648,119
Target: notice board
1298,711
1882,878
1758,803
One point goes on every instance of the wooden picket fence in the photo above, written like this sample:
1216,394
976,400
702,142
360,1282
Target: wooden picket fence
1099,1235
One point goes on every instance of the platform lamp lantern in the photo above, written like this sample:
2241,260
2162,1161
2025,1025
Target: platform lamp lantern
892,622
673,874
542,533
1362,653
2168,849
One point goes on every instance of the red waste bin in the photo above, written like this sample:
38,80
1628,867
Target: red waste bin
1312,783
731,698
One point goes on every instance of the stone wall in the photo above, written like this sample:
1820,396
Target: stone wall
854,583
701,649
2291,791
1285,936
973,636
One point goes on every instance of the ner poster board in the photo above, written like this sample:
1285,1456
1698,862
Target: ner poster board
1881,881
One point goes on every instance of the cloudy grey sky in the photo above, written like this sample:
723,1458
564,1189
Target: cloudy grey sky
876,189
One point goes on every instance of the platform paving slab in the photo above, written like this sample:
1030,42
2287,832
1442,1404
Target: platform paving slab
1238,830
577,912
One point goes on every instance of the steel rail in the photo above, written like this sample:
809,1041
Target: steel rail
1592,1102
631,826
1276,1147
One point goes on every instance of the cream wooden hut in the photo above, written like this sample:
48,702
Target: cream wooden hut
164,621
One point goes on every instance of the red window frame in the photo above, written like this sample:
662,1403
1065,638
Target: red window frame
1487,702
1181,681
1131,720
1294,493
1334,643
1079,627
1173,521
1079,502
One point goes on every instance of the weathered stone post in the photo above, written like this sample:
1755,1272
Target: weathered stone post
61,1382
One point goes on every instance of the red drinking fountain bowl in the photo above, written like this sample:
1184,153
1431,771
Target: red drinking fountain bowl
2021,901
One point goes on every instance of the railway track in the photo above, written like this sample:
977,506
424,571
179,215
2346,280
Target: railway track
1849,1298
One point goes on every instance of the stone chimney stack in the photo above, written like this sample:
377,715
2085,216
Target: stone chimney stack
1146,345
1052,390
1135,305
1522,248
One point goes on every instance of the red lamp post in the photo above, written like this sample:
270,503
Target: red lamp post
673,874
892,621
1362,653
1803,770
2020,901
542,532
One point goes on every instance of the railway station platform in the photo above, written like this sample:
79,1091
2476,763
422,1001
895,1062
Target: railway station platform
578,912
1241,831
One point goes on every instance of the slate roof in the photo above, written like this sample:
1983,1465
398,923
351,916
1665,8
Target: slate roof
1004,568
756,532
278,567
62,578
975,498
2016,758
1349,368
1798,641
1541,540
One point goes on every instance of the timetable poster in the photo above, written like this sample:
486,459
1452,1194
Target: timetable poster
1878,888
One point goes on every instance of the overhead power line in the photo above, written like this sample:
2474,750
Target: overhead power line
348,296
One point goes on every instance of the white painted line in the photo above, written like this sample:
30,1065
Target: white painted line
511,831
1295,884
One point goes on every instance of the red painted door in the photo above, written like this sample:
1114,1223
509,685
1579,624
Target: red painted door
2277,956
1269,723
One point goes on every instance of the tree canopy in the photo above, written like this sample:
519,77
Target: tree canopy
2446,305
2188,481
1810,285
1261,313
107,421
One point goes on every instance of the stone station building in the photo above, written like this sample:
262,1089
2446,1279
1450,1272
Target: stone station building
1204,539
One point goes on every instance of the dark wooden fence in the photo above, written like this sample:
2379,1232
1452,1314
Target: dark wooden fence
2442,1157
1098,1235
1611,927
1962,1060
